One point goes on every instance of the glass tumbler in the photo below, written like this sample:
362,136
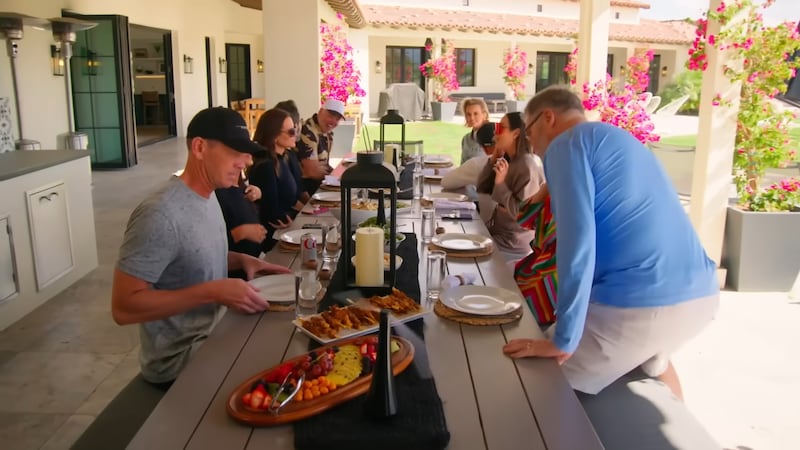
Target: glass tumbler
428,224
435,273
330,240
307,288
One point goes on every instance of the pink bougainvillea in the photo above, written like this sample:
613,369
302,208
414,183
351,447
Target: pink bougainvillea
623,107
760,60
515,68
442,70
338,77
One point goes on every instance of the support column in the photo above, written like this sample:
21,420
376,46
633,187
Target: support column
593,41
713,162
291,34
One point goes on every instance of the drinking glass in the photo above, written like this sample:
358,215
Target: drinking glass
307,288
330,241
428,224
435,273
419,178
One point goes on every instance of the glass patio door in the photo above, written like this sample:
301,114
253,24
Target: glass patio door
103,92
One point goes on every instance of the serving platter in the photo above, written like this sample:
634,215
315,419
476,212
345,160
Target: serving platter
453,196
327,197
481,300
300,409
277,288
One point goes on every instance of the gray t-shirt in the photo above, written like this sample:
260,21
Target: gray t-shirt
175,239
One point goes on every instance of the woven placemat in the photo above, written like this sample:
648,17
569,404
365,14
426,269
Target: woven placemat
442,310
327,187
325,203
280,307
488,250
287,247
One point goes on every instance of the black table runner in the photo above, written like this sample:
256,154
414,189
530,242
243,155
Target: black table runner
420,421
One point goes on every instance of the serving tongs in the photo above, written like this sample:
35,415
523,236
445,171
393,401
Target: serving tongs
276,406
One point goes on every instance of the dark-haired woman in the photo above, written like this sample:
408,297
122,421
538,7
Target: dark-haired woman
512,174
279,202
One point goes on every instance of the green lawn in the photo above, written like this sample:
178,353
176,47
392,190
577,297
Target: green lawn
690,140
437,137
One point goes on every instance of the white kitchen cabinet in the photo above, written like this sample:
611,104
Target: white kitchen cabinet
8,269
48,214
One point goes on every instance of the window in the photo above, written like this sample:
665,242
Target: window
465,66
550,69
616,15
539,8
238,74
402,65
654,73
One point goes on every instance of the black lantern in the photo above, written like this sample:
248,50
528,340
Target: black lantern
369,172
393,117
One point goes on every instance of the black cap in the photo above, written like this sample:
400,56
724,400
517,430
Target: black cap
224,125
485,134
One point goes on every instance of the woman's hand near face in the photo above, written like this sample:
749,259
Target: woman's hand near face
252,193
500,171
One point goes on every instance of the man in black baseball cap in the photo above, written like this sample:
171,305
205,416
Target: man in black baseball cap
464,178
226,126
171,275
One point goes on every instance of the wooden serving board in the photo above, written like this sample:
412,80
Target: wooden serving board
401,359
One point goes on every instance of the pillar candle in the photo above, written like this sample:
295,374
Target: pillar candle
369,256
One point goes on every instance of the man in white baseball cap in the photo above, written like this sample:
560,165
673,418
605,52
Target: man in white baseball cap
316,140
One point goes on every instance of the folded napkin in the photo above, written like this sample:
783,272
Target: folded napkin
452,281
331,180
443,203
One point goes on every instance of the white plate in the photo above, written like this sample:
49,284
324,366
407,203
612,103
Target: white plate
481,300
434,177
349,332
278,288
445,195
295,236
437,159
330,197
398,261
461,241
350,160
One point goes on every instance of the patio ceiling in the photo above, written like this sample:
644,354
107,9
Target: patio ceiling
348,8
646,31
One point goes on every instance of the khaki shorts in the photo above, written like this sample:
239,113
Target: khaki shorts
617,340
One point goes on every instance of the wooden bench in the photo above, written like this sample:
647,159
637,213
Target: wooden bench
637,412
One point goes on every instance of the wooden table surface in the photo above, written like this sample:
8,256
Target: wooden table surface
490,401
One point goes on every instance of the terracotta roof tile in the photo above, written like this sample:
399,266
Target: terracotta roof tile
648,31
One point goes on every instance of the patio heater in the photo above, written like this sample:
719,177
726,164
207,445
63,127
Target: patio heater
64,32
11,27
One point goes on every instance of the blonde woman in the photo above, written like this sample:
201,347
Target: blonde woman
476,113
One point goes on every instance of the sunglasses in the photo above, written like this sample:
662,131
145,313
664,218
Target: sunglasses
499,129
528,128
291,132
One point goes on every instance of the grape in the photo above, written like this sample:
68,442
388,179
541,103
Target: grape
316,371
305,365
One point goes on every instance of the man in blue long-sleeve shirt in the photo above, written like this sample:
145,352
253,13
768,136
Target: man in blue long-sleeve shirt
634,280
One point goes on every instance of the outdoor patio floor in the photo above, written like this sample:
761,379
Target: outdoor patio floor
62,364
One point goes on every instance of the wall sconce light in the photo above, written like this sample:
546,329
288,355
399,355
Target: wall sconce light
378,67
57,61
92,64
531,69
187,64
223,65
260,66
664,71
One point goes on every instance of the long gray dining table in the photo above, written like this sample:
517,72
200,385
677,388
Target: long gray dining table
490,401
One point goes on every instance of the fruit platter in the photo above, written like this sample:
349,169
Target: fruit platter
360,318
314,382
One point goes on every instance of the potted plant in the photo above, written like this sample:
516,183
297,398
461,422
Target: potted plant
515,68
339,79
760,247
441,71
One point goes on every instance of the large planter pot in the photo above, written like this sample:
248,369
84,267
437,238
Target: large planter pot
678,162
444,111
515,105
761,249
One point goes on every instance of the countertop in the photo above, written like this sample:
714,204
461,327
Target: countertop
20,162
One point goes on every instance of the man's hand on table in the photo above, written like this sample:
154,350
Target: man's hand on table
239,295
542,348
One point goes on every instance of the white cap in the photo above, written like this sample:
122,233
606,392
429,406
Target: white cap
336,106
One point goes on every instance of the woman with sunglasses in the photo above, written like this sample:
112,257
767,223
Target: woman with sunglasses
512,175
279,203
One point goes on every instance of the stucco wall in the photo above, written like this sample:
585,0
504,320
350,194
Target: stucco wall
42,95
